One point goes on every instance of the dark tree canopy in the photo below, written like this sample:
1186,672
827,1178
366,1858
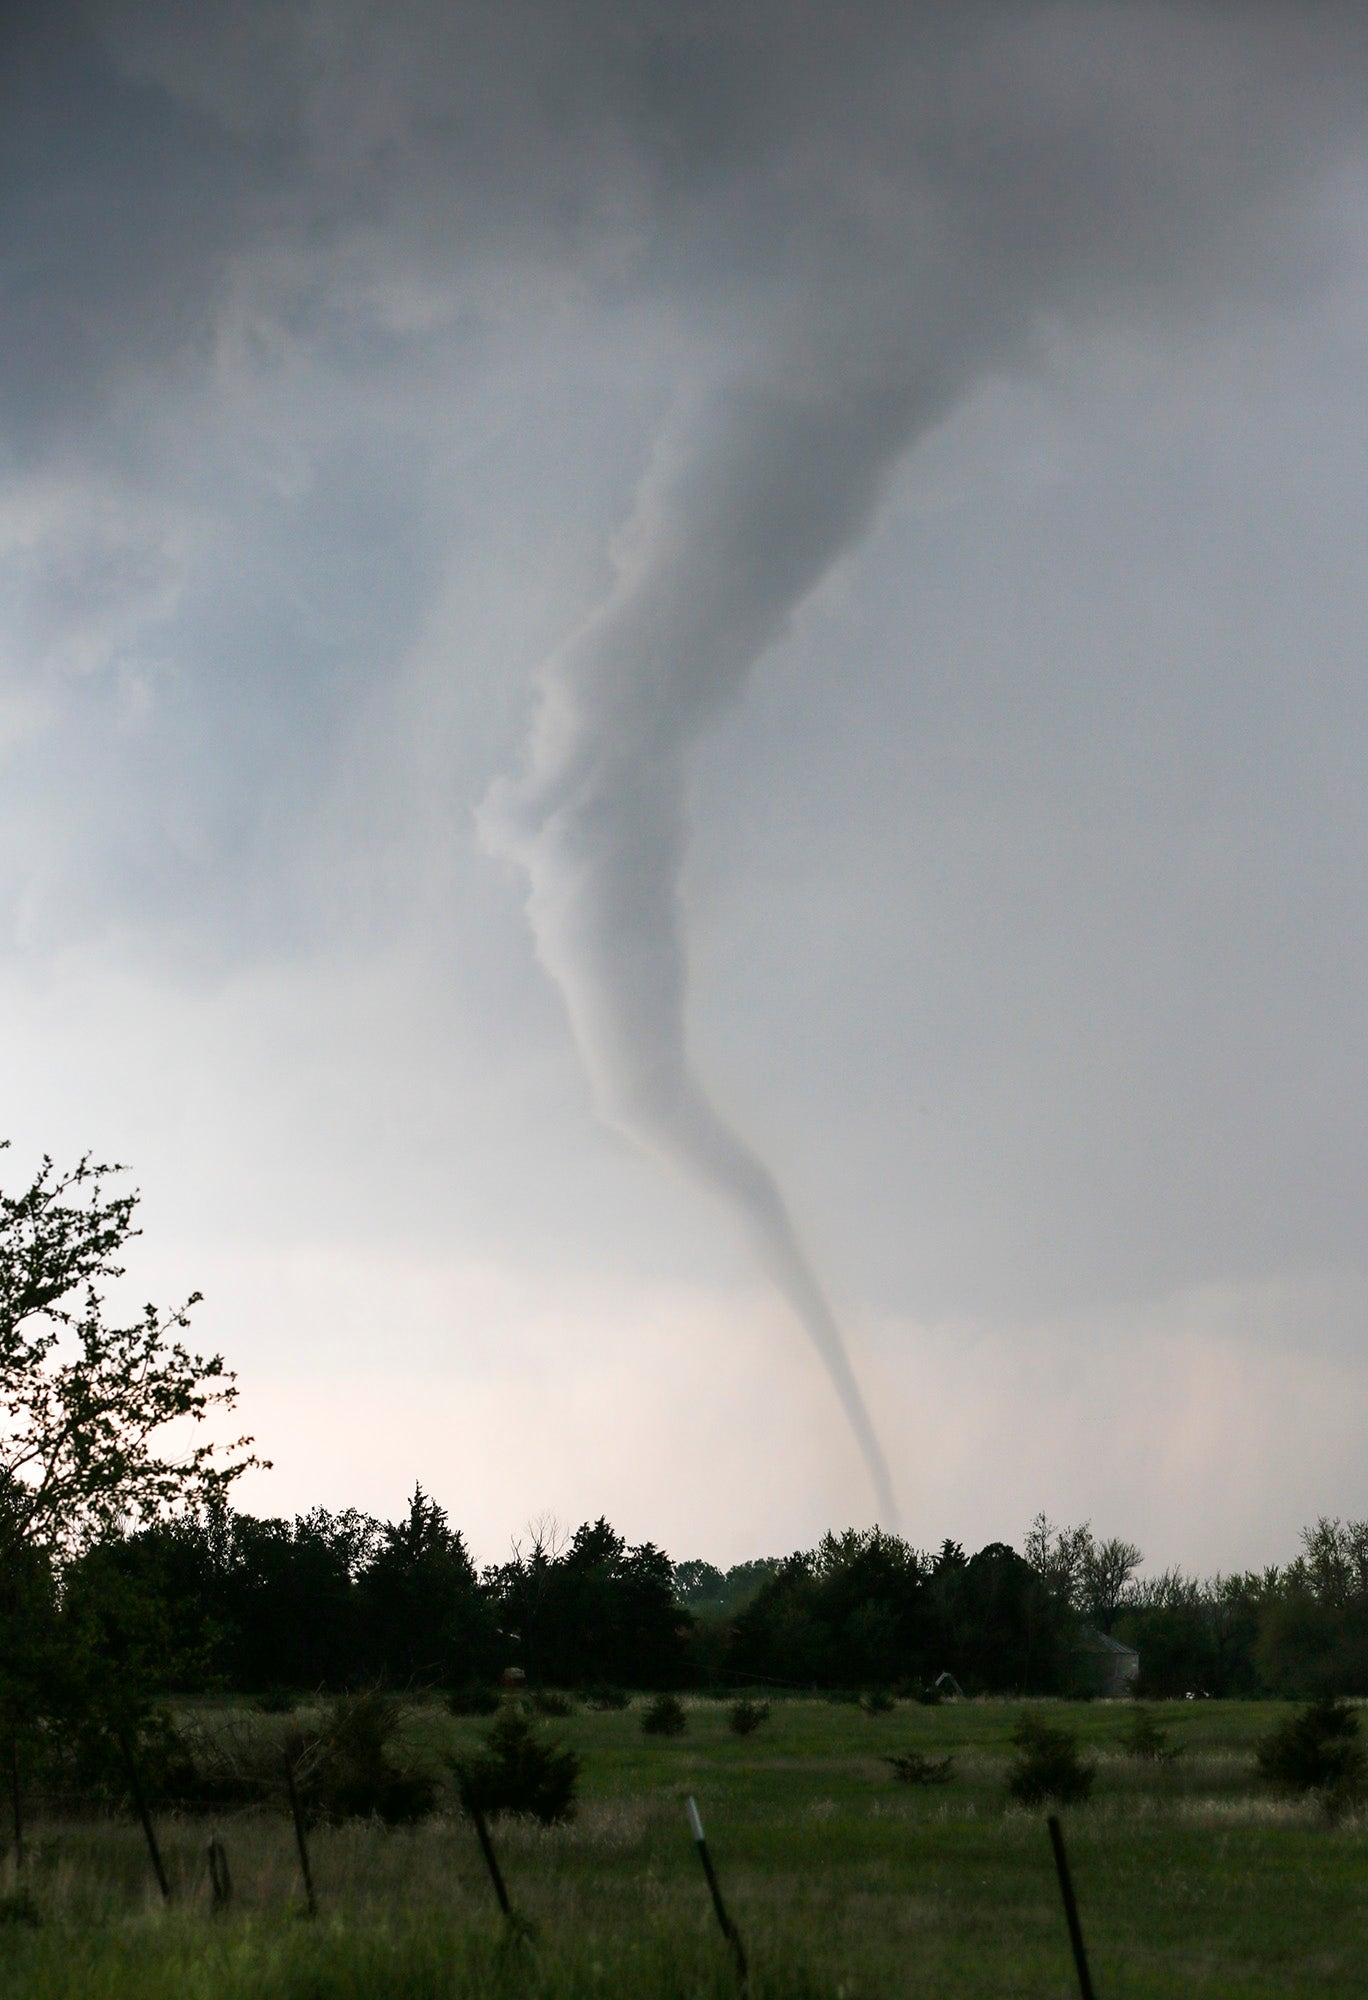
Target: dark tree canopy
423,1617
218,1600
865,1608
846,1614
596,1610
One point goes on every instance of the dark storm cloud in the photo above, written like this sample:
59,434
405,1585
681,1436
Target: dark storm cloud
117,208
1055,148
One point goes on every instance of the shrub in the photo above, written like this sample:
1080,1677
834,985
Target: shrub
349,1765
199,1770
745,1716
1316,1751
275,1701
188,1767
350,1768
911,1767
550,1701
929,1695
18,1907
1047,1765
665,1716
517,1772
877,1701
475,1698
607,1697
1147,1742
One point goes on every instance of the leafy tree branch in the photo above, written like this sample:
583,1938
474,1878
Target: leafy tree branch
86,1402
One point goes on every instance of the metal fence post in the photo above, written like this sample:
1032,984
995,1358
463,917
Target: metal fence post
728,1928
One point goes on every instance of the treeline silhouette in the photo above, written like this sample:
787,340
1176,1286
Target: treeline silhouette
230,1602
1300,1631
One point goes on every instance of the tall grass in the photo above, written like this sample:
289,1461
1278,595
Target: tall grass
1192,1878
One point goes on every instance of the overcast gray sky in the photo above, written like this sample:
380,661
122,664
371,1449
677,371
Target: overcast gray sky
596,595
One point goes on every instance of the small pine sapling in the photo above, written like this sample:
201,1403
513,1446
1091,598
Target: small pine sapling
1048,1767
1147,1742
474,1698
665,1716
913,1767
1317,1752
607,1698
551,1702
518,1772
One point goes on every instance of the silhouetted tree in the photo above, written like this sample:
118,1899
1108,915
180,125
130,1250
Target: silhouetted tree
999,1626
594,1611
698,1583
852,1611
423,1613
31,1662
1093,1576
865,1608
1198,1638
1313,1630
290,1599
84,1403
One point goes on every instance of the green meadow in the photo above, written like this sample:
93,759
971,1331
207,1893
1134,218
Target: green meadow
1191,1880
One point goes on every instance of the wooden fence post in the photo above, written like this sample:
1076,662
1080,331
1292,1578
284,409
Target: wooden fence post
1085,1985
140,1804
477,1818
220,1881
301,1840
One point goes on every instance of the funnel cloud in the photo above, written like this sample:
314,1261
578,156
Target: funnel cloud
890,309
774,484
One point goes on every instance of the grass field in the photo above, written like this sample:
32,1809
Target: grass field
1191,1880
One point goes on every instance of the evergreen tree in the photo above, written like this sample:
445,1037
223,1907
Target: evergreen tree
595,1611
423,1615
